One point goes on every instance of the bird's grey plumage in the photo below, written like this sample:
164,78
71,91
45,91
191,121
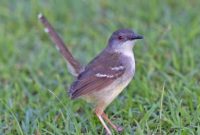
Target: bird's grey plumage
101,71
102,65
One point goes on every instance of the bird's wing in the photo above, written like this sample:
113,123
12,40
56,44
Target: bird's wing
99,73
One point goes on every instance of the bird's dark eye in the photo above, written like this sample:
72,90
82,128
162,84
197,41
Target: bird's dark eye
120,37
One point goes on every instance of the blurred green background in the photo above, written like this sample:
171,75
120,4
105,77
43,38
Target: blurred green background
163,98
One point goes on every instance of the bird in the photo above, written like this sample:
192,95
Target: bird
104,77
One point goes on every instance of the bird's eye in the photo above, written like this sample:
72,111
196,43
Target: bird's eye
120,37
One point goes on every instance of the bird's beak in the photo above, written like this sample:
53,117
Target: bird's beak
136,36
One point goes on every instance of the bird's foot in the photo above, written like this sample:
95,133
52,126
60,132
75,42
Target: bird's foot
108,133
119,129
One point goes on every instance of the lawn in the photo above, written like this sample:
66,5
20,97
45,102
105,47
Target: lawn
163,98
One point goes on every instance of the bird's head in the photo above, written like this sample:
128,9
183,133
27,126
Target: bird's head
123,38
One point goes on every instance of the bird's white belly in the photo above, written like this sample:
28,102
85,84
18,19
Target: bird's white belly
110,93
105,96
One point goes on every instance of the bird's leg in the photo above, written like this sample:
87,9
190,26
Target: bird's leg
117,128
104,124
99,115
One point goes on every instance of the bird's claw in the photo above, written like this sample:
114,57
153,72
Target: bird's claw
119,129
108,133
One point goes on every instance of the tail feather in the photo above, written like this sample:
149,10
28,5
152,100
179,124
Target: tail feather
74,66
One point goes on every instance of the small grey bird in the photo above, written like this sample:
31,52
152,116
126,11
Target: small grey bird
104,78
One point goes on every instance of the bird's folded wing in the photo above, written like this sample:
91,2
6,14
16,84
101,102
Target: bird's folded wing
100,73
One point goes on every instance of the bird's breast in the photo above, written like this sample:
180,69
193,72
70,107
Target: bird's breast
129,62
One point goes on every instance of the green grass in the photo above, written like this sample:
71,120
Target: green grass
163,98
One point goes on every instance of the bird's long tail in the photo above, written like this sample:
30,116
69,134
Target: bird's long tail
73,65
